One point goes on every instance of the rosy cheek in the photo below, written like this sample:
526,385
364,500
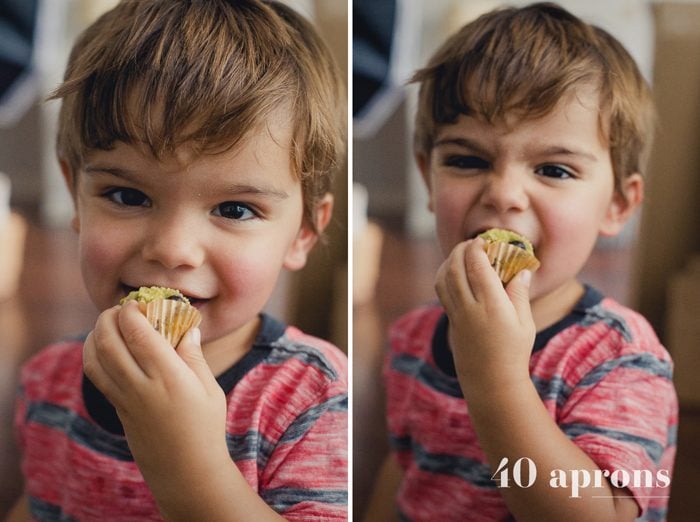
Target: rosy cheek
568,240
101,250
245,274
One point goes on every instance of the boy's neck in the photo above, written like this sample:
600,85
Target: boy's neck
554,306
224,352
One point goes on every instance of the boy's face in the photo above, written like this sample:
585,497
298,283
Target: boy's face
549,179
217,227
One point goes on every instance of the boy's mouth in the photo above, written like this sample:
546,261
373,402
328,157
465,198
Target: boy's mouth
475,233
197,302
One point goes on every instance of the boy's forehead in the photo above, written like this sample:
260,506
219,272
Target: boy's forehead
586,95
147,126
256,148
176,148
138,153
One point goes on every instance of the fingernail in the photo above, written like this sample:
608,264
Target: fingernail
525,276
196,336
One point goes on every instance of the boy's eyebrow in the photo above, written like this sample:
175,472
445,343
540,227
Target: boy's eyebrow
239,189
235,189
565,151
462,142
554,150
114,171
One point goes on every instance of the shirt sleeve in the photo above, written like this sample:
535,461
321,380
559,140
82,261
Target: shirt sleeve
624,414
398,391
20,415
306,476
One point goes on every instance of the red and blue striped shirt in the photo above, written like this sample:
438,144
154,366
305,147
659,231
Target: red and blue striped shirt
286,430
602,375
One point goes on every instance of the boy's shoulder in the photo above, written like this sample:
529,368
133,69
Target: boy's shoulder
417,324
54,375
295,346
289,378
280,344
63,357
600,337
283,355
625,330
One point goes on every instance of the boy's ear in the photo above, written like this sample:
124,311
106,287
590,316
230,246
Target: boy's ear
69,177
623,205
298,251
424,166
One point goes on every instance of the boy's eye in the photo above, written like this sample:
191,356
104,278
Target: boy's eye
466,162
554,171
128,197
234,210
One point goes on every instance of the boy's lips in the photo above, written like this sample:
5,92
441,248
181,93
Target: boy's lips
193,299
481,230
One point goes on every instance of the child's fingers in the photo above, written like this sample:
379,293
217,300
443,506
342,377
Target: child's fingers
518,290
149,349
190,351
451,280
106,361
94,369
482,278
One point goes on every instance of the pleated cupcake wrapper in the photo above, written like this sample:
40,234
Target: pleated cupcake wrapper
172,318
508,260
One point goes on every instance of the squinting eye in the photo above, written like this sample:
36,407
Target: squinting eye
234,210
554,171
466,162
128,197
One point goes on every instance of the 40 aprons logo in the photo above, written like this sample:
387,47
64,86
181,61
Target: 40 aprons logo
523,474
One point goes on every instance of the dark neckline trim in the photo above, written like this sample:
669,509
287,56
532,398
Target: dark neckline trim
103,413
443,355
270,330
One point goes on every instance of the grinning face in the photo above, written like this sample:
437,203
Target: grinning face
220,228
549,179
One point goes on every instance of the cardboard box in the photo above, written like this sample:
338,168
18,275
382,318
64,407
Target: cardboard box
668,234
683,332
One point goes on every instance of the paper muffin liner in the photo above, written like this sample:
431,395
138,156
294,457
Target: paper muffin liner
172,318
508,260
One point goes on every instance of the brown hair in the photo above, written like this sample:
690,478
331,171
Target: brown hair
205,73
522,61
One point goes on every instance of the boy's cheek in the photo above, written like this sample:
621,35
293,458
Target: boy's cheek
449,228
102,255
248,272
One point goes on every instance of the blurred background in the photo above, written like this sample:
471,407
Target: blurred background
653,266
42,298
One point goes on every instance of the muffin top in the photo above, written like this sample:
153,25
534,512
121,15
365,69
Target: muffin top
146,294
496,235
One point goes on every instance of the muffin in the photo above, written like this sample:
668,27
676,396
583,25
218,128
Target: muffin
167,310
509,253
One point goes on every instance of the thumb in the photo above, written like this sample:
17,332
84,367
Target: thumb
519,293
190,351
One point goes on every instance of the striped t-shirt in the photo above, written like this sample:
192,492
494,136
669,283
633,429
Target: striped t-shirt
602,375
286,430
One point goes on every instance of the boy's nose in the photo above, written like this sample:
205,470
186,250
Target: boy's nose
505,191
174,242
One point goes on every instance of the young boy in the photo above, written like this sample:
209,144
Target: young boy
198,140
540,400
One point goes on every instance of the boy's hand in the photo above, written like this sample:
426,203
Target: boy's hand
172,409
491,329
